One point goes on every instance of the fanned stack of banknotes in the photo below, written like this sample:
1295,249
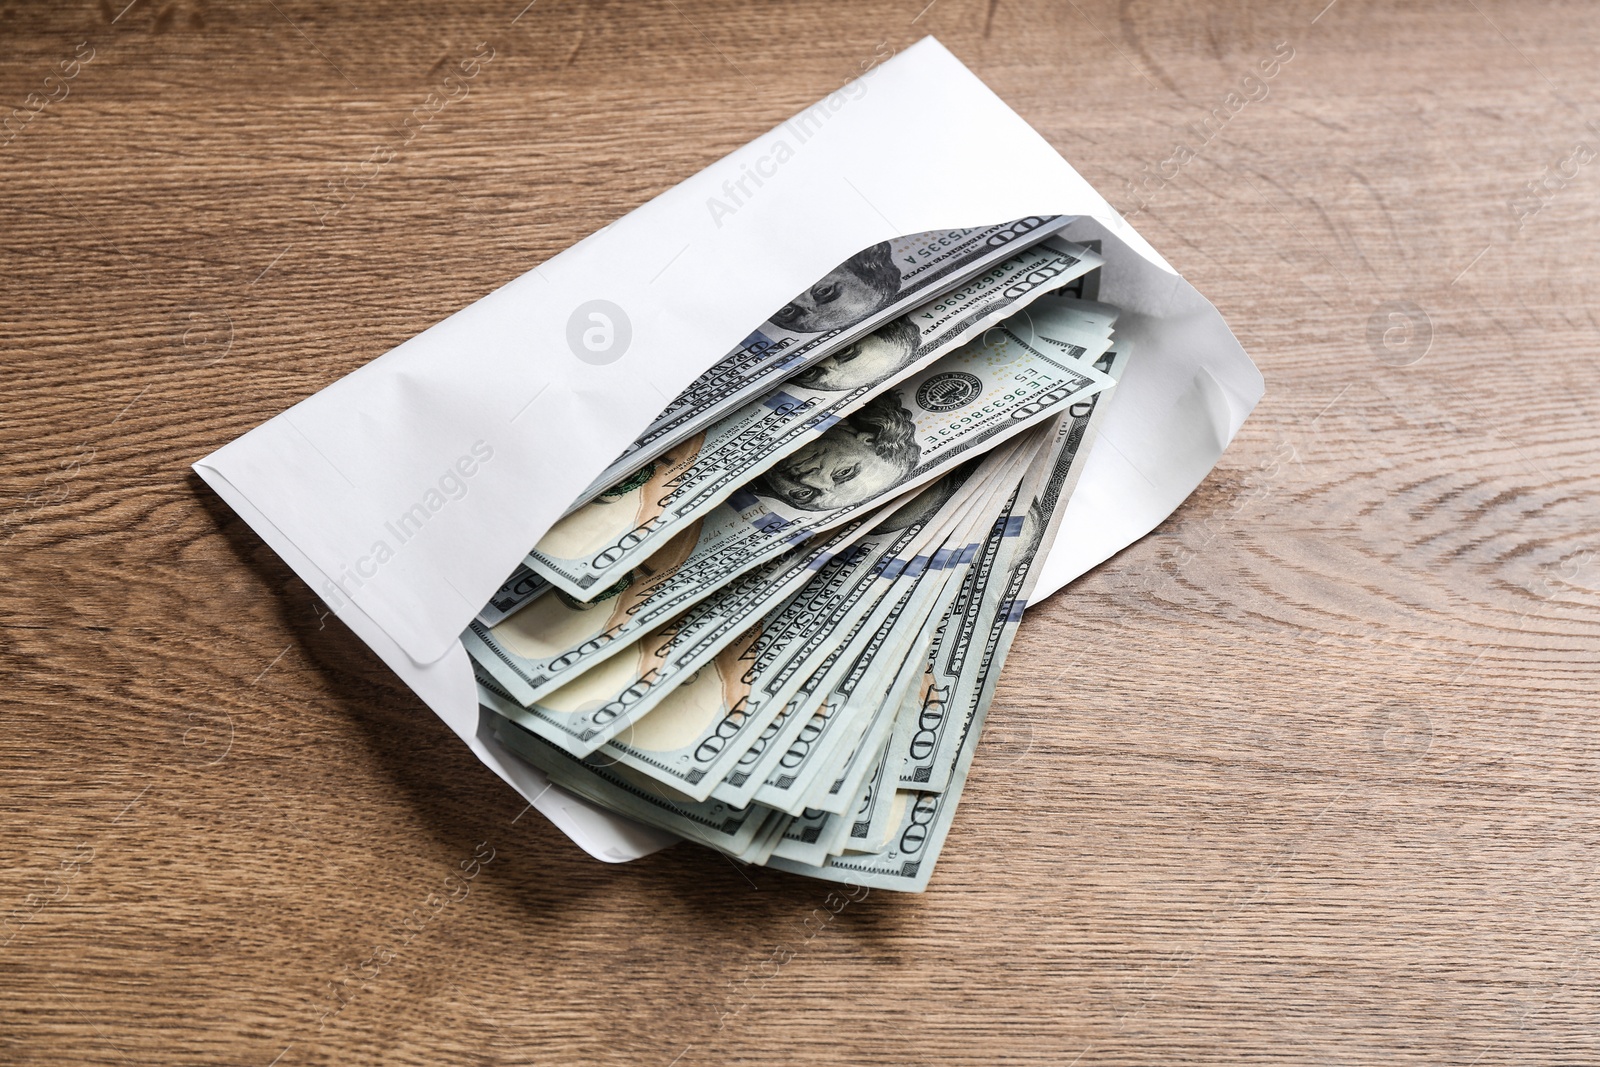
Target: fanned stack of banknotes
775,624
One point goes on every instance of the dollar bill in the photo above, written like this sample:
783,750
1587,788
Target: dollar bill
598,704
766,842
888,812
928,715
700,728
864,677
522,588
925,736
907,861
868,823
1003,606
888,627
840,720
630,521
835,791
1085,286
904,438
781,740
582,713
749,772
898,432
1079,330
802,590
806,837
831,778
710,823
918,527
850,301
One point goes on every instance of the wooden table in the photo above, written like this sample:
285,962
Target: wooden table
1306,776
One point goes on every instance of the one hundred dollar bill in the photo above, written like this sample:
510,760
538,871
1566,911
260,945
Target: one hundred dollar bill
710,823
699,729
801,590
835,776
888,629
966,653
850,301
848,710
838,788
907,860
929,714
587,714
925,736
788,744
519,590
868,822
806,837
866,607
766,842
904,438
867,675
598,704
628,522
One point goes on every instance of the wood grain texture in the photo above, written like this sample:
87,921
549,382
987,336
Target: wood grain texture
1321,789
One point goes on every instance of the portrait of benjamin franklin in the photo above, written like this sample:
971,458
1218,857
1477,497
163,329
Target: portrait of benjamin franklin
865,283
864,362
861,457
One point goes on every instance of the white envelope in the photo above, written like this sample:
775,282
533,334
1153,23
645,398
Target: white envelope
407,491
